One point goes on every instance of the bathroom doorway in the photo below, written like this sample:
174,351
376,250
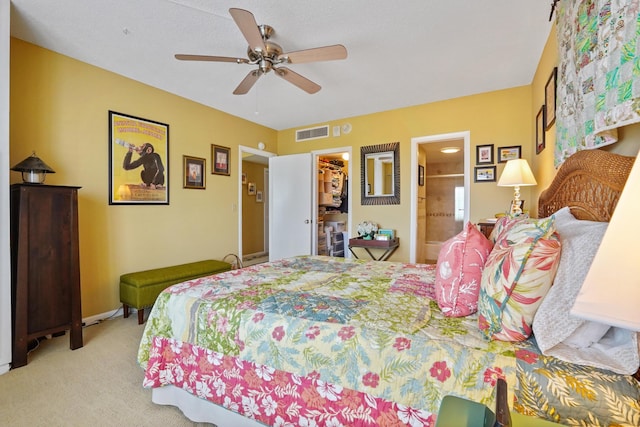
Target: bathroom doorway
440,193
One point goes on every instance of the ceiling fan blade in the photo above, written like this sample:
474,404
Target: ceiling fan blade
298,80
326,53
211,58
247,83
247,24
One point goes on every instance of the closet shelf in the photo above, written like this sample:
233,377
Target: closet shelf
327,165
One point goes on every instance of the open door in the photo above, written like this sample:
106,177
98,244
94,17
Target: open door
290,206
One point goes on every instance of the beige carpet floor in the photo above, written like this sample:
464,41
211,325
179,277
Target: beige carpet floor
99,384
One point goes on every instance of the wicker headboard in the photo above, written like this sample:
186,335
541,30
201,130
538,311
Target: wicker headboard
590,183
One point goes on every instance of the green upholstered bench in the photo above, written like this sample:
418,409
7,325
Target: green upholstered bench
140,290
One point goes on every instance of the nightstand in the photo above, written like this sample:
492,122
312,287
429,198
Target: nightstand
486,228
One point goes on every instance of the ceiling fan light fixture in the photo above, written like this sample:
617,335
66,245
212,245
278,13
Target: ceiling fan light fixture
265,66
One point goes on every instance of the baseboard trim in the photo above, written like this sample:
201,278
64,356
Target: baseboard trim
92,320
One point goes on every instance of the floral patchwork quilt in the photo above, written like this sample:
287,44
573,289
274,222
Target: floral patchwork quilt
334,341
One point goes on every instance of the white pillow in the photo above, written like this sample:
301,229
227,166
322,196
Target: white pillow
586,334
569,338
580,241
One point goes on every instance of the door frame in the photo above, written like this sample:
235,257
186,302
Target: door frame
415,142
318,153
5,248
241,150
266,201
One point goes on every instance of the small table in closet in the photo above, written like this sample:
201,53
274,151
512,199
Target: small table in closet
387,246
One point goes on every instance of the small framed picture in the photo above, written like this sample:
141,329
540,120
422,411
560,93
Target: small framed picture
420,175
484,154
194,172
259,196
220,160
540,134
550,99
509,153
515,206
244,178
484,174
251,188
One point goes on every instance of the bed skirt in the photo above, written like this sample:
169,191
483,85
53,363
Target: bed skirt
200,410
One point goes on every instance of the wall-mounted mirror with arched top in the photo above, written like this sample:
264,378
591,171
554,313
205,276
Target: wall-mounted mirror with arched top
380,174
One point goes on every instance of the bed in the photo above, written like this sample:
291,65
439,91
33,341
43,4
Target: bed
315,340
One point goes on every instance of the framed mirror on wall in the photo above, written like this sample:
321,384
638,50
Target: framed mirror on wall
380,174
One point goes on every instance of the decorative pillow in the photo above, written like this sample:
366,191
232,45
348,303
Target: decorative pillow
501,223
518,274
569,338
459,270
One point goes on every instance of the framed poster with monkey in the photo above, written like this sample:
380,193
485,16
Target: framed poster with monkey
138,161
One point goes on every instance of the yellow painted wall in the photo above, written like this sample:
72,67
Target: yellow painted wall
501,118
542,164
59,108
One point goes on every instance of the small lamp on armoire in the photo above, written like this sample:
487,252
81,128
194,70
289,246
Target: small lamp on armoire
33,169
516,174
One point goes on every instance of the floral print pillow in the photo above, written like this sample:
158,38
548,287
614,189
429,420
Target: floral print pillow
518,274
459,271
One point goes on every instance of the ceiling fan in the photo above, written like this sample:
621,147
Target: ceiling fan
267,55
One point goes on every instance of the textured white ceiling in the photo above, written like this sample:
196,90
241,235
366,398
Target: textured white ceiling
399,53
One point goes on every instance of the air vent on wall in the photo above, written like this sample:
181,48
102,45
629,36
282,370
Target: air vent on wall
312,133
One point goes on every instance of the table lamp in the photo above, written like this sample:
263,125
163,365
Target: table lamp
611,290
516,173
33,169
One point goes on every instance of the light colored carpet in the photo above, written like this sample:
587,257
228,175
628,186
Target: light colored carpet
99,384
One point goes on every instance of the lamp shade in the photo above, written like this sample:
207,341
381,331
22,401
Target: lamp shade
516,173
611,291
33,169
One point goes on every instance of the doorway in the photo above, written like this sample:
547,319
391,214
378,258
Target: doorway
253,205
439,192
297,221
333,201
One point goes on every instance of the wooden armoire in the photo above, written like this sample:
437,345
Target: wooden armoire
45,269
